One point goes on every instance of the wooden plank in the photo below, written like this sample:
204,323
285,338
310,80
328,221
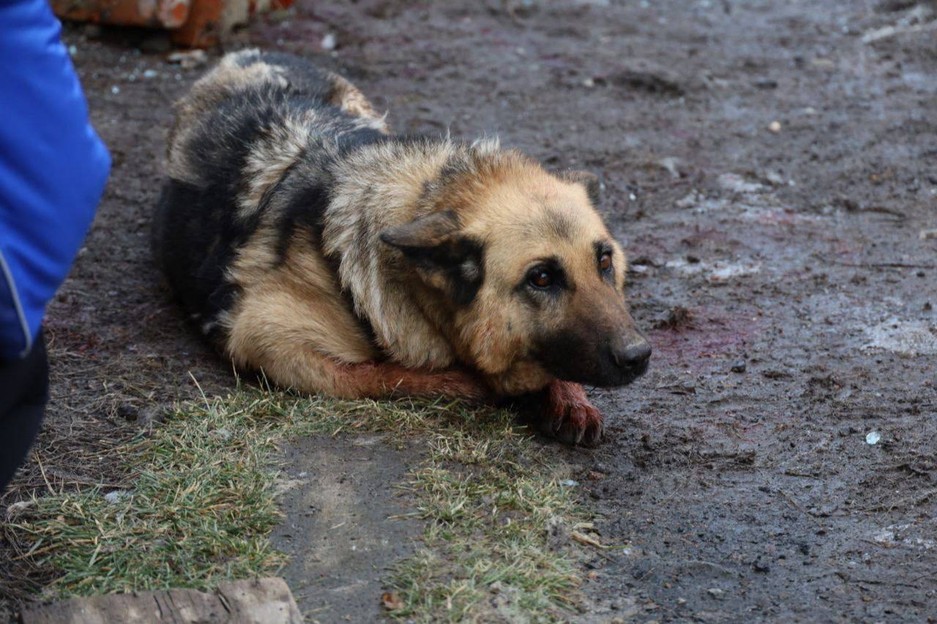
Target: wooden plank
258,601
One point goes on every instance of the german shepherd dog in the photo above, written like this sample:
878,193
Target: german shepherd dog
310,243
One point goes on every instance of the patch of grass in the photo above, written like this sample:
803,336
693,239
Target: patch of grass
496,543
200,507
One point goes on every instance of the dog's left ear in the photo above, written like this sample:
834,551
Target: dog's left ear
441,255
587,179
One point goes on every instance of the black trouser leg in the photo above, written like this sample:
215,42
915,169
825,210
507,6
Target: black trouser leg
24,390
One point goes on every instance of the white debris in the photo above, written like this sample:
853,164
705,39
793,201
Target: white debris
150,73
736,183
872,438
116,496
569,483
672,165
329,42
909,338
725,272
716,272
17,508
895,535
188,59
115,89
222,433
774,127
693,199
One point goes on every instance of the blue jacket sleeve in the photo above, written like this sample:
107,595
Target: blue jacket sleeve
53,168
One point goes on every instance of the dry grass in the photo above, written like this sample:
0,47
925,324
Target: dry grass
199,506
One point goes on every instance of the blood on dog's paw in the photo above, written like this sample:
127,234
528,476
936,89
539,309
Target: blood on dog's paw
575,423
569,417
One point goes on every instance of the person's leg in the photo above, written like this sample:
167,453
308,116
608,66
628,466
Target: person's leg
24,390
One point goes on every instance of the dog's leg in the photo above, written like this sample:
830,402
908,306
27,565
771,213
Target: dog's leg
285,338
307,371
383,379
569,416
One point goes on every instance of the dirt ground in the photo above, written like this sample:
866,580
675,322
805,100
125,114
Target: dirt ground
771,168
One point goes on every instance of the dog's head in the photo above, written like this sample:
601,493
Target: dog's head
532,278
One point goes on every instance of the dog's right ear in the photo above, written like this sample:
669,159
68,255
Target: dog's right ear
589,180
423,233
442,256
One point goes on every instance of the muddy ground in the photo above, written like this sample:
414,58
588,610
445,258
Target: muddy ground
772,169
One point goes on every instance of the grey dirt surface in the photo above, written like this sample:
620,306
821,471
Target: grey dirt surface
771,167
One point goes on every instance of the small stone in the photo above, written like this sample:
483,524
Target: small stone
738,367
329,42
716,593
872,438
115,90
672,165
927,234
150,73
774,127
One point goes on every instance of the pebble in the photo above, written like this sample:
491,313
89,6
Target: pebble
738,367
774,126
873,438
672,165
329,42
927,234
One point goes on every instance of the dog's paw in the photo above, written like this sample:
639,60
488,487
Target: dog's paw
570,417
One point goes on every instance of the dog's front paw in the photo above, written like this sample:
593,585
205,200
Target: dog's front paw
569,417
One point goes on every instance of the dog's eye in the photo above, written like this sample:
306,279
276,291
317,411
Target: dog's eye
605,261
541,277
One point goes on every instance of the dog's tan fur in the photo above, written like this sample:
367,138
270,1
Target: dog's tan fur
361,306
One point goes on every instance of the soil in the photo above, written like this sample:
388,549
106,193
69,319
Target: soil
771,168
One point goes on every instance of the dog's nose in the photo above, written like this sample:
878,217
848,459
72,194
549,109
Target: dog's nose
632,355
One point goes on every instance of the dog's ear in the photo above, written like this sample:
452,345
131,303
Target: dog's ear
443,257
587,179
423,233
